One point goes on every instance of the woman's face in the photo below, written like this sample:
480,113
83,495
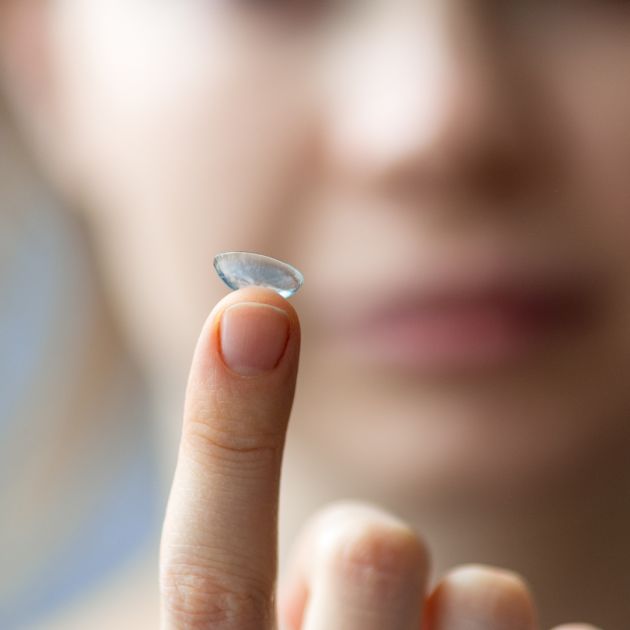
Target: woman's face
451,178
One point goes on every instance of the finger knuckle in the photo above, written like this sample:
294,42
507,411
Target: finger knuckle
204,442
364,549
195,596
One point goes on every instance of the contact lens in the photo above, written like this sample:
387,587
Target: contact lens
243,269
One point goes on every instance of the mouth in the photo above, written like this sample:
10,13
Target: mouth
467,324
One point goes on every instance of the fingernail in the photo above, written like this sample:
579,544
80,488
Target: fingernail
253,337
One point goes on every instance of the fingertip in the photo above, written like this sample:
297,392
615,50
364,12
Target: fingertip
485,594
249,335
477,575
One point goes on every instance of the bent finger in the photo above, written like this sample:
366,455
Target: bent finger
355,567
477,596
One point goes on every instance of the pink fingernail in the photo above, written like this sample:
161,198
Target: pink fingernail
253,337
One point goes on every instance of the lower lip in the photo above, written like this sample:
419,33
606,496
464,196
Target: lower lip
448,340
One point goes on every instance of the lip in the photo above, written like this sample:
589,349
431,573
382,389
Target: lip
467,322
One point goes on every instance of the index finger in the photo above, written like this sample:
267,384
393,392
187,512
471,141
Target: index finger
219,542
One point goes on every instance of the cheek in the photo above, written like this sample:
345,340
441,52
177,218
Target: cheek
187,133
590,97
597,106
165,98
589,89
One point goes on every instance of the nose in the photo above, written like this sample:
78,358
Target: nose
430,102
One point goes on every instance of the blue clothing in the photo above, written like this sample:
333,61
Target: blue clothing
102,506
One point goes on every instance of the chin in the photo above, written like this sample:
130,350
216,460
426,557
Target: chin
451,451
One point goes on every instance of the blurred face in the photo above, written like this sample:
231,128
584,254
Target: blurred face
450,177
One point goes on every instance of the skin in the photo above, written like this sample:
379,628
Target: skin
350,141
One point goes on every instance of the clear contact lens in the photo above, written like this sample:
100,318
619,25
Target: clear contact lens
243,269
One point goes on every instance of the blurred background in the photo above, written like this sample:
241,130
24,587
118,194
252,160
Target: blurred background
64,375
452,180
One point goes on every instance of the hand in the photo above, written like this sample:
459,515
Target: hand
355,566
